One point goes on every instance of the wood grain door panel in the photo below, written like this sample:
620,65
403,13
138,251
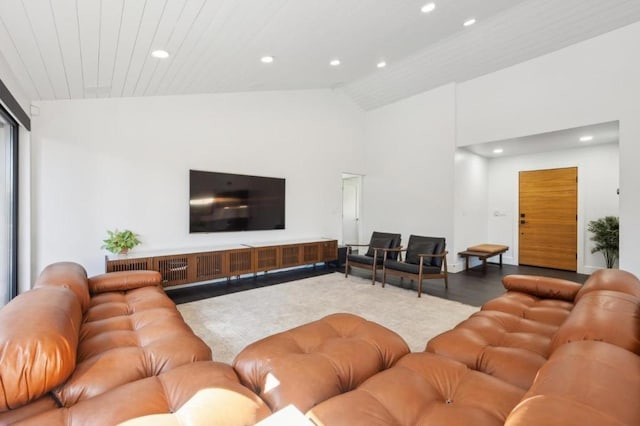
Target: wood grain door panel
548,218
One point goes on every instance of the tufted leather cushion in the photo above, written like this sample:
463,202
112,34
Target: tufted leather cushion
129,336
227,401
503,345
67,275
510,338
546,311
123,280
544,287
583,383
38,343
422,389
313,362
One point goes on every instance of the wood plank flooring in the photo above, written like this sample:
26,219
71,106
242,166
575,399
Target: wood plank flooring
470,287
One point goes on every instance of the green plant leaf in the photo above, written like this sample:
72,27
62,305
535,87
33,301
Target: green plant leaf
117,241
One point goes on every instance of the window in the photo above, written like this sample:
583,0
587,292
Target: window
8,207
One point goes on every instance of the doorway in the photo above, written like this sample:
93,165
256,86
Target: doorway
548,219
351,196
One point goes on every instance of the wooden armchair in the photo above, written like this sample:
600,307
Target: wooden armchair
373,258
426,258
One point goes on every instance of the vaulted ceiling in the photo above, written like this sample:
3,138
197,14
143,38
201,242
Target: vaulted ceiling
73,49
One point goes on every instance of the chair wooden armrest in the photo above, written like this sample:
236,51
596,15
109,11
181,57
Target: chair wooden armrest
357,245
399,250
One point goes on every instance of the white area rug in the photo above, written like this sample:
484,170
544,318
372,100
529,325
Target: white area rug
229,323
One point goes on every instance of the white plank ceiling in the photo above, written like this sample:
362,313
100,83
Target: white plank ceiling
72,49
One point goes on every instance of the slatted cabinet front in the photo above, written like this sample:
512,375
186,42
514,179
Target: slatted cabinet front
188,268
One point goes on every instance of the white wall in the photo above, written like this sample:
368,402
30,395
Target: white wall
591,82
409,167
598,174
106,163
470,208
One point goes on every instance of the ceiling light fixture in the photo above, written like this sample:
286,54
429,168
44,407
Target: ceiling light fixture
160,54
429,7
334,62
586,138
267,59
469,22
498,151
381,64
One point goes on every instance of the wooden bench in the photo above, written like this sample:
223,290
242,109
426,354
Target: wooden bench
483,252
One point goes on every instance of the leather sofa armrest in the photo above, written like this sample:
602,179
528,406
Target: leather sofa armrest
545,287
123,280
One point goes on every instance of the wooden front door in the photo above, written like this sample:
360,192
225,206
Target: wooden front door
548,218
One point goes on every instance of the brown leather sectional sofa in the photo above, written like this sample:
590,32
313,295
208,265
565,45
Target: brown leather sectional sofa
98,351
113,347
547,352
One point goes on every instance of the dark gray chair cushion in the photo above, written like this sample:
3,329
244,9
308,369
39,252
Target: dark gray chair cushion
411,268
366,260
425,245
417,247
395,240
380,243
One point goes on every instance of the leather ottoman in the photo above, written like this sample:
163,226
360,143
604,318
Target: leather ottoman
316,361
422,389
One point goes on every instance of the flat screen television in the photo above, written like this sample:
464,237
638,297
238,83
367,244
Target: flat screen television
225,202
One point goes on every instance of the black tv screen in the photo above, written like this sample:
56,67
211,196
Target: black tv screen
224,202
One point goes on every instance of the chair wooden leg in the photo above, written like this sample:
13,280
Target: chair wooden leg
420,282
384,275
373,275
446,281
346,268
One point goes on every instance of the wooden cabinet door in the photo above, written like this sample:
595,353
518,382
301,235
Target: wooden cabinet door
548,222
173,268
240,261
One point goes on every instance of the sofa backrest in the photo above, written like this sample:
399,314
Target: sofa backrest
68,275
38,343
583,383
612,280
606,309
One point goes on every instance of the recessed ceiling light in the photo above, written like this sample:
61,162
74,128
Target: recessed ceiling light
498,151
381,64
429,7
160,54
469,22
267,59
334,62
586,138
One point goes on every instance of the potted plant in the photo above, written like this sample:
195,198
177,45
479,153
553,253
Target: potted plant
606,232
120,242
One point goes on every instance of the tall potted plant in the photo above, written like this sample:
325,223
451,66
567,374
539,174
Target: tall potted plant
120,242
606,235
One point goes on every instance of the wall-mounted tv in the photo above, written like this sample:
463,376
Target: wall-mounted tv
224,202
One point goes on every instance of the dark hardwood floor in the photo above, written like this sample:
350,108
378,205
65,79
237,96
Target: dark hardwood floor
471,287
